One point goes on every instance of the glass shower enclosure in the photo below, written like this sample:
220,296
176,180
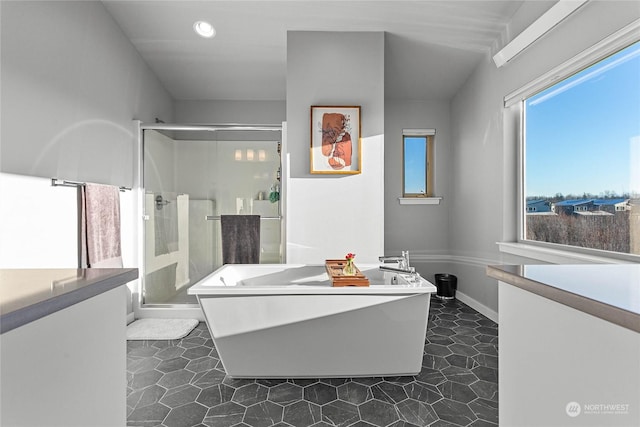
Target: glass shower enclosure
191,175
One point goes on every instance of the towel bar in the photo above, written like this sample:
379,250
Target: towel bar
55,182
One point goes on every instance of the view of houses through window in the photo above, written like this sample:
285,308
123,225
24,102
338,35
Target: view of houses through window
582,158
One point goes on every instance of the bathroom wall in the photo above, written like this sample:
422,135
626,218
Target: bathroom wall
484,153
242,112
227,111
39,225
421,229
70,90
335,214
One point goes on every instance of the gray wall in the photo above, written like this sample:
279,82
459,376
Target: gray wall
70,91
421,229
331,215
484,156
223,111
246,112
314,80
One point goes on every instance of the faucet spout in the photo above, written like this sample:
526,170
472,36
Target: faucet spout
387,259
396,270
402,260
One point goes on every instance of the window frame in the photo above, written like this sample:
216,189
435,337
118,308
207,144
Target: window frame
429,136
514,109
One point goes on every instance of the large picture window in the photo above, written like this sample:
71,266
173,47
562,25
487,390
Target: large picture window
581,157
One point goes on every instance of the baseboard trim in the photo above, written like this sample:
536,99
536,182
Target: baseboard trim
467,260
175,312
480,308
458,259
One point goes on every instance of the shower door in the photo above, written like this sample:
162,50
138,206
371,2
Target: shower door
190,178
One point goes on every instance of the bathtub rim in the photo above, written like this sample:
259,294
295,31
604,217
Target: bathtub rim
205,286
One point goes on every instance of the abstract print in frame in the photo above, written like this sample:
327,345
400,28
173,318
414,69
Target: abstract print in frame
335,140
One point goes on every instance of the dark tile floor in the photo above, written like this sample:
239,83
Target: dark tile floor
182,383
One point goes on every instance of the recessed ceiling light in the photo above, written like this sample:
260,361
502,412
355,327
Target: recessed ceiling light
204,29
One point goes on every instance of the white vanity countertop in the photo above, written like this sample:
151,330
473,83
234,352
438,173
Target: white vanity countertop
608,291
30,294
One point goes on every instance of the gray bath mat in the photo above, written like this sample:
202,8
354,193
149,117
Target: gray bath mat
160,329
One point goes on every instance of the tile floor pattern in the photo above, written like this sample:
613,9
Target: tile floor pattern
182,383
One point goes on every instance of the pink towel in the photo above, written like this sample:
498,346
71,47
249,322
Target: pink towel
100,226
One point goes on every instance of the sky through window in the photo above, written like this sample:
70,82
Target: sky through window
583,134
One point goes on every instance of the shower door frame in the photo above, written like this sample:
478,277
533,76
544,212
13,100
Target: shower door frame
187,310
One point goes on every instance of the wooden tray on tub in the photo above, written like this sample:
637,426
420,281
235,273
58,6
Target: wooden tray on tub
334,270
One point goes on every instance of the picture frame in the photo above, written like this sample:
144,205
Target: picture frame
335,140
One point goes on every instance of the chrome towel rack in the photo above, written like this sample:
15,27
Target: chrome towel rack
55,182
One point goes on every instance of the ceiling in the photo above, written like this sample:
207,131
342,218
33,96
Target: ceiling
431,46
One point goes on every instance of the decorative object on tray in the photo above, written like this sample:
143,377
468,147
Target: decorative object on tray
336,271
350,268
335,140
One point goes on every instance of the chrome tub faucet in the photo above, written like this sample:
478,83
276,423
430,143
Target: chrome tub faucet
402,260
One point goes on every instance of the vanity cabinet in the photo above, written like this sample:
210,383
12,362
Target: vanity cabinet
63,347
569,345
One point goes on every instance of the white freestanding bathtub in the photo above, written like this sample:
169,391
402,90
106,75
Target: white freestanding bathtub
287,321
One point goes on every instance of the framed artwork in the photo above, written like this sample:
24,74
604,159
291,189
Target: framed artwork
335,140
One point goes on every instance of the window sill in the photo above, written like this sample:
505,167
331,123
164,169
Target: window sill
561,256
419,200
